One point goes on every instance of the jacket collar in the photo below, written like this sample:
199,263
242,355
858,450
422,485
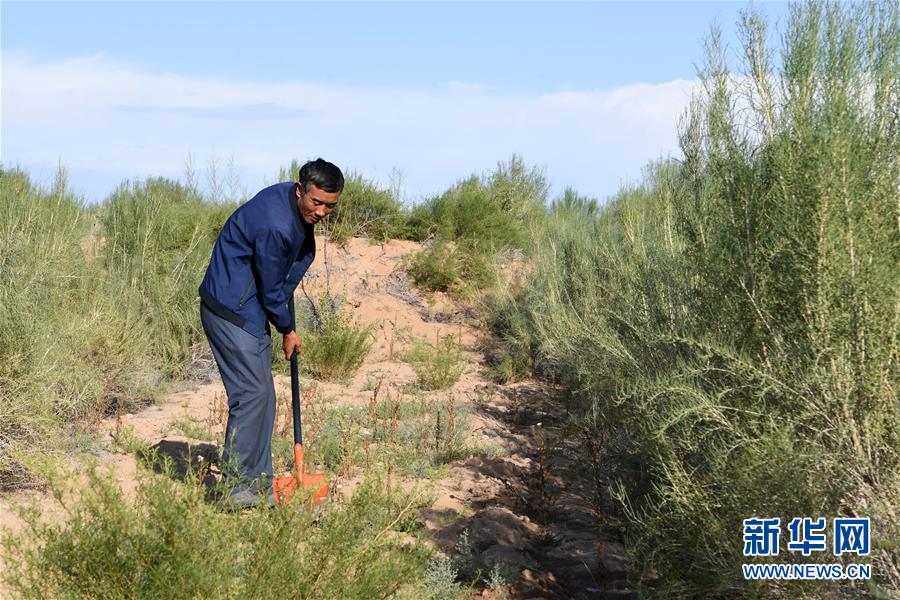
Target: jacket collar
295,210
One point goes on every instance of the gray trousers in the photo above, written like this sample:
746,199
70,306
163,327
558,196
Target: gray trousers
245,363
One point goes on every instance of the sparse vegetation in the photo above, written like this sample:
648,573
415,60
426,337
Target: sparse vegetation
410,435
194,428
367,211
436,268
440,582
126,442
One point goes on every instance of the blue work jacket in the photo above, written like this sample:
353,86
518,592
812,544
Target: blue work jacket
262,252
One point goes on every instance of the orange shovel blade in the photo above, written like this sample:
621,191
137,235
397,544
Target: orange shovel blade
284,487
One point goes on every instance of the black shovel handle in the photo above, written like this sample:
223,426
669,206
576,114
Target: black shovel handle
295,382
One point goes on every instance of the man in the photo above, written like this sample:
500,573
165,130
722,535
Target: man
263,250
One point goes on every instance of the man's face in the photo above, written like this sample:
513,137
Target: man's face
315,204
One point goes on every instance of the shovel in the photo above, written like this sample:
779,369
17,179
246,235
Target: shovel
314,483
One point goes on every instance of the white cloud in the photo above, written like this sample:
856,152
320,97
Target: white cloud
465,86
97,114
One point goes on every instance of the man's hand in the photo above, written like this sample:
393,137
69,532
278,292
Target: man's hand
291,344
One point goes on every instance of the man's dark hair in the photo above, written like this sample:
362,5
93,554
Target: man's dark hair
322,174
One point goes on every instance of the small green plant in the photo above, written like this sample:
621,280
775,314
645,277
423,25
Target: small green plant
441,579
514,359
438,366
193,428
413,438
508,367
373,380
126,442
85,440
465,557
334,347
496,579
438,583
282,453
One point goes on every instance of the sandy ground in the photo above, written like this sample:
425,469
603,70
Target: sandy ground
552,537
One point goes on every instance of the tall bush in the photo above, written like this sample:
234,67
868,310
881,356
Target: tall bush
734,319
99,305
157,237
473,222
365,210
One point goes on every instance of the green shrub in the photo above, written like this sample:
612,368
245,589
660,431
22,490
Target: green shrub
493,211
437,366
436,268
170,543
507,314
733,318
127,442
334,347
100,306
193,427
158,237
479,217
45,277
439,583
364,210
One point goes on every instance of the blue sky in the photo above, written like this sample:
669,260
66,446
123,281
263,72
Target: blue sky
431,91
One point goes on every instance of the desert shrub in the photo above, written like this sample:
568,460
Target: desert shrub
99,304
439,583
515,357
471,210
365,210
437,366
733,319
46,282
436,268
171,543
420,222
334,347
472,222
158,237
493,211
